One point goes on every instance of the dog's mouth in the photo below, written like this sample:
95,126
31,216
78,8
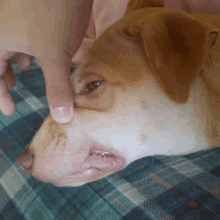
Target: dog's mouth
98,163
101,160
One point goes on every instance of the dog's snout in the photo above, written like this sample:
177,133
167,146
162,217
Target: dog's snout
25,161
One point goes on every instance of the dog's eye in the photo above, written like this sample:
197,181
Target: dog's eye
93,85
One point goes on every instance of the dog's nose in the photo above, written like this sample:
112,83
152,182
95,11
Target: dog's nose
25,160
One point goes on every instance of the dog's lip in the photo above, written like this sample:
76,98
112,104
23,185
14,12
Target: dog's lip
99,149
105,163
80,176
92,171
99,165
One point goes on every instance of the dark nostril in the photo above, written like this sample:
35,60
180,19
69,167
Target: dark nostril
25,161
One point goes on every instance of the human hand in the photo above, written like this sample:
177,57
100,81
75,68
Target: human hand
51,31
194,6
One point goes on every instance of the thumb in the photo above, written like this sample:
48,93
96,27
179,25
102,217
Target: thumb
59,89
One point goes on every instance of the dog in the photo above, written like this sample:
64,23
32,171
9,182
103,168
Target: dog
149,85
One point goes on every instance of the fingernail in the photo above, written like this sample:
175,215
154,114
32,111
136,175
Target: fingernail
62,114
27,161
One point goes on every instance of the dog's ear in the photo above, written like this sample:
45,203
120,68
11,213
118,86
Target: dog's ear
134,5
176,46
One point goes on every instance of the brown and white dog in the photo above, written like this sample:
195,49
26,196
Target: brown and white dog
149,85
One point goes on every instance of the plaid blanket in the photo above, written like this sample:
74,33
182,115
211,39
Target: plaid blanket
158,187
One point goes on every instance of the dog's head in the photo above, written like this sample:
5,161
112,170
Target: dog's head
132,94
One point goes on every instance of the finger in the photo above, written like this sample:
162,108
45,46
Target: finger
7,105
10,76
6,69
59,87
23,60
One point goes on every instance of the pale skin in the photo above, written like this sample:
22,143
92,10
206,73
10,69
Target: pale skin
52,31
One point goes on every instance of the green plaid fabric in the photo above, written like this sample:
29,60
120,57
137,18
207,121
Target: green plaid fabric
152,188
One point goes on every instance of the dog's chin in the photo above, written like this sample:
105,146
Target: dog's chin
96,166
